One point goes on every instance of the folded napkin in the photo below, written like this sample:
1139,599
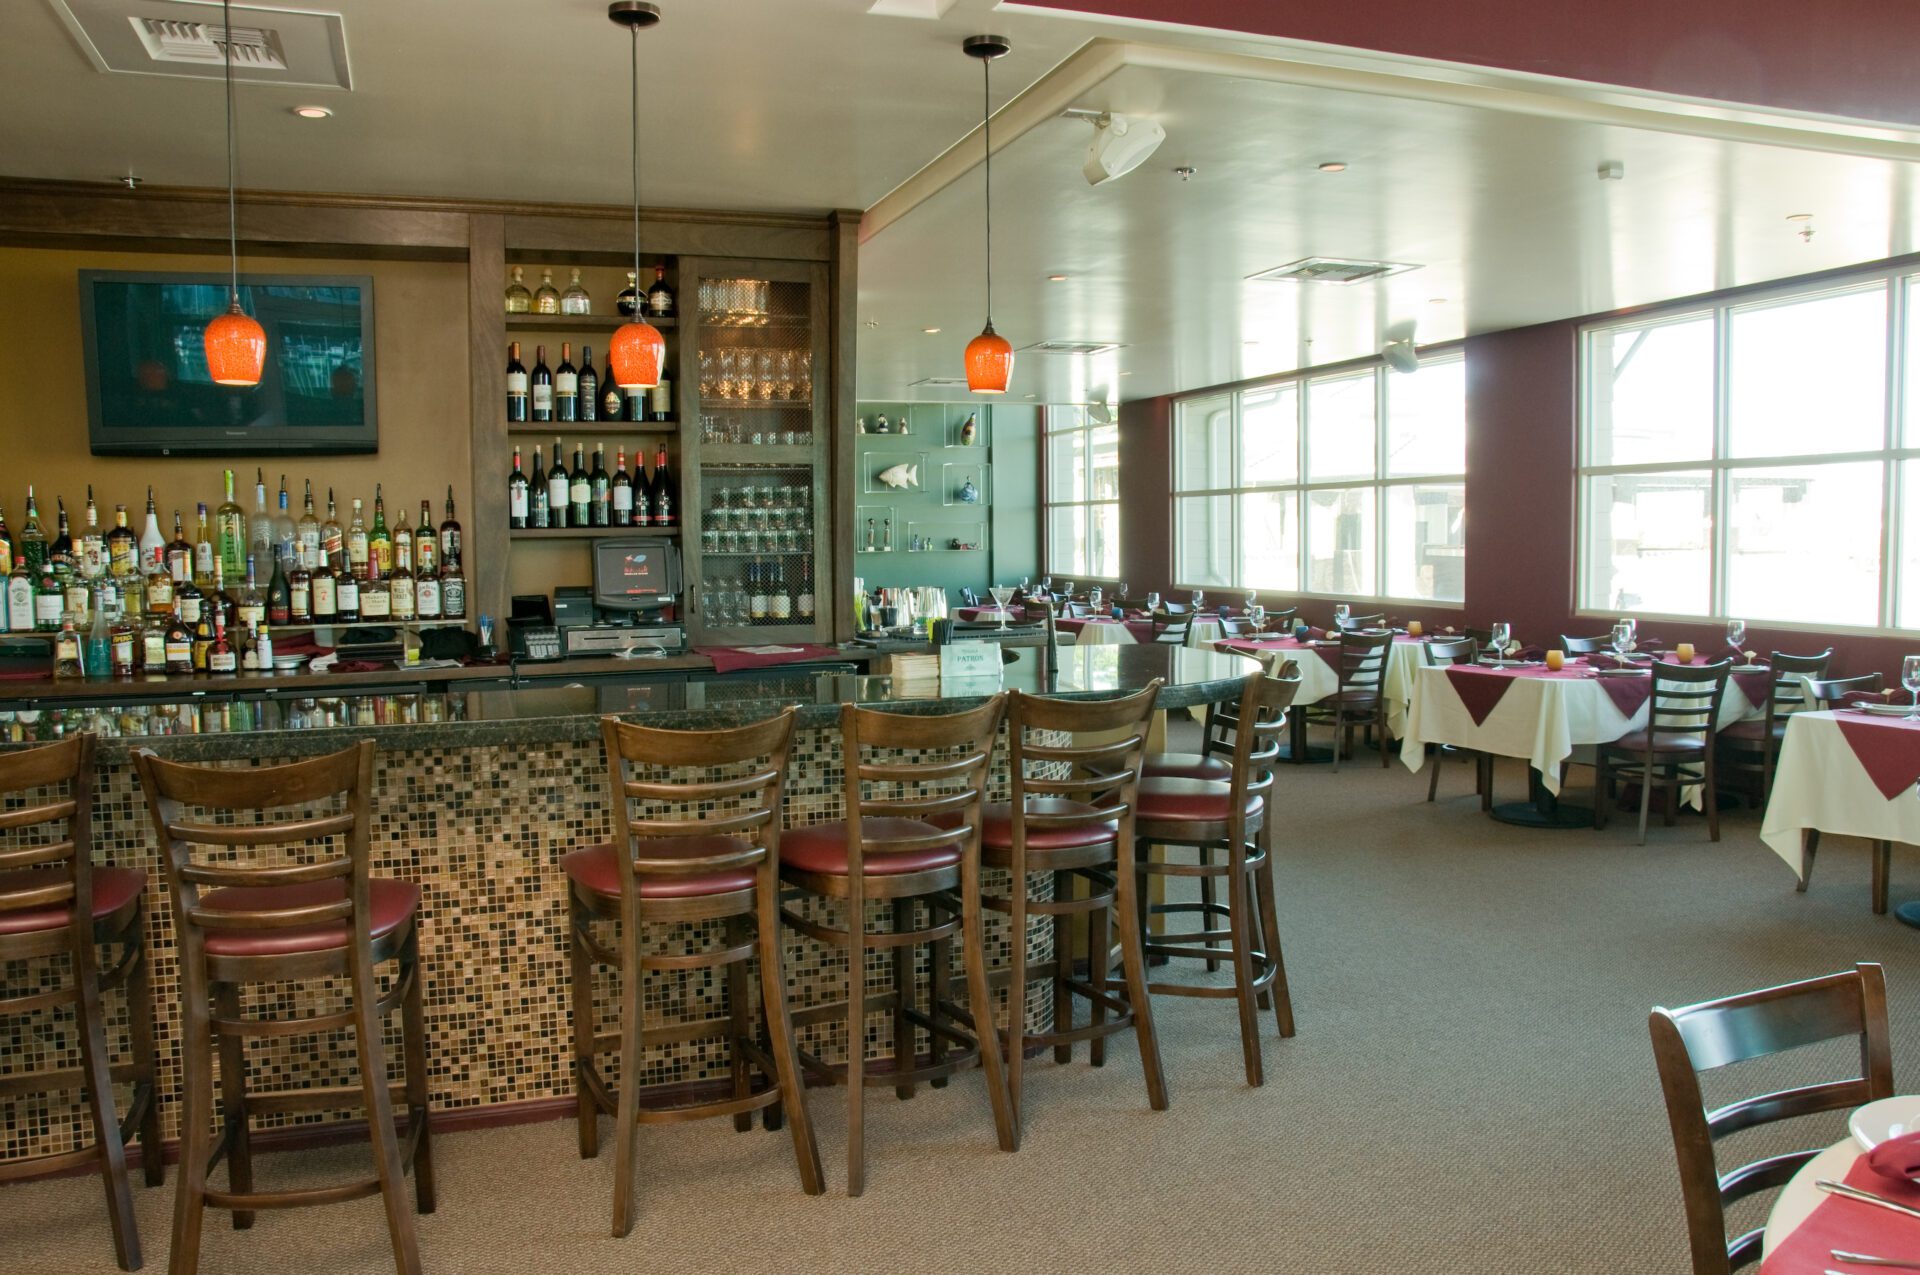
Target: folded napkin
1531,653
1867,697
1897,1158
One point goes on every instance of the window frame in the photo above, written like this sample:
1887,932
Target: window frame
1084,425
1381,483
1896,283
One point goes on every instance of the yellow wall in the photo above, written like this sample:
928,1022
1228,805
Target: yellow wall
420,343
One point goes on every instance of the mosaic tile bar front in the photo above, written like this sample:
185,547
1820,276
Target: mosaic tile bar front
482,829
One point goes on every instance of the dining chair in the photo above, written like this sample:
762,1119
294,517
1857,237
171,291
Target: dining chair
1171,627
1828,691
1483,636
1079,611
1439,653
1281,621
1238,626
1360,700
1586,645
1681,715
1752,747
969,598
1176,608
1736,1029
1355,622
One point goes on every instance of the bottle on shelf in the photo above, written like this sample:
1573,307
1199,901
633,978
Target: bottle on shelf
153,543
589,386
660,300
559,490
19,598
538,513
642,515
179,552
346,595
324,594
566,387
286,535
122,547
279,593
580,491
756,592
541,386
635,406
402,542
426,545
546,297
78,595
220,603
453,591
61,550
68,659
517,494
426,588
516,384
620,492
153,642
300,593
91,550
203,549
49,600
307,533
260,524
99,636
519,300
6,552
376,595
357,541
159,586
32,545
779,601
629,302
665,492
220,656
400,587
251,606
575,299
613,401
379,539
188,601
601,488
660,398
450,555
230,528
333,538
263,648
202,641
177,647
803,603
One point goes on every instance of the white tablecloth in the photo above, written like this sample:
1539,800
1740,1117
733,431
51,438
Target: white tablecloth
1800,1197
1539,718
1318,678
1819,783
1103,633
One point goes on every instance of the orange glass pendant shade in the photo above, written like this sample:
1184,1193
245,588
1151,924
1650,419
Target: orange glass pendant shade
989,363
637,352
236,347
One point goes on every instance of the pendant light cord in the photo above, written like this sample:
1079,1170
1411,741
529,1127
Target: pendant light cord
233,218
633,34
986,124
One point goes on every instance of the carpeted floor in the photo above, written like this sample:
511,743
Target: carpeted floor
1471,1091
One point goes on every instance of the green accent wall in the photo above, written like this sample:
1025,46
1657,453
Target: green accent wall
1003,464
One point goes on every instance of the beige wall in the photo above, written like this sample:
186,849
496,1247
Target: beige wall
420,342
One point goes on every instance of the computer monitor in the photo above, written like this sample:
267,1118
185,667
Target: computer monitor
639,574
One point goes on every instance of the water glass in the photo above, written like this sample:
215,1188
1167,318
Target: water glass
1502,638
1910,678
1341,612
1737,635
1258,614
1153,602
1199,598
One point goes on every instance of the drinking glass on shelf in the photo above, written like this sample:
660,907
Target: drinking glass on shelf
1341,613
1502,634
1002,594
1910,678
763,375
728,383
709,381
1737,635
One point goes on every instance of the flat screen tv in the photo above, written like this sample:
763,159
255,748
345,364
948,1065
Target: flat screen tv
148,391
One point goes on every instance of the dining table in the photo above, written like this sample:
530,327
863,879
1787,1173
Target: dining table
1848,771
1525,709
1319,661
1805,1224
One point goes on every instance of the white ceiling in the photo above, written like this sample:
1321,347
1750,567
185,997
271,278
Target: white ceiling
807,105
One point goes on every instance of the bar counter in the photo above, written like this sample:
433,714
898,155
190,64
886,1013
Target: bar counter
477,795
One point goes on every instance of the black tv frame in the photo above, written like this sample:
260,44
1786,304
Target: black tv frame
261,437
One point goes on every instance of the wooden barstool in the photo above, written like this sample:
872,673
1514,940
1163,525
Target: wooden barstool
892,848
1072,815
1230,819
54,902
240,922
699,840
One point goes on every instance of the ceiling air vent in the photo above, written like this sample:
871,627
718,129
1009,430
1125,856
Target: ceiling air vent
1332,270
304,48
167,40
942,382
1070,347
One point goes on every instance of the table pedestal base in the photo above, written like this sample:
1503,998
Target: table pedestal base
1542,809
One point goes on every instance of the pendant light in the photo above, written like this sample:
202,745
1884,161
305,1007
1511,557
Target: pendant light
235,342
637,351
989,355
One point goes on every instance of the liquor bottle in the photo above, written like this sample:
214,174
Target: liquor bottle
230,528
575,299
177,654
99,648
220,656
263,648
159,586
537,496
61,550
629,301
188,601
757,595
450,536
546,297
20,598
636,406
426,591
376,595
333,538
179,553
665,495
602,487
260,525
68,661
49,600
300,593
357,541
220,604
660,296
77,593
279,593
803,604
249,645
123,547
580,492
286,536
559,490
402,543
153,642
400,587
589,386
541,385
566,386
517,493
203,550
153,544
453,591
516,384
426,545
779,600
620,493
660,398
613,403
324,591
6,551
33,541
251,605
519,300
346,596
92,549
307,534
379,539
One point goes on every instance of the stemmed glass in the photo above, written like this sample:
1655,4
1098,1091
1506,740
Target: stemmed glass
1623,639
1737,635
1341,612
1199,598
1910,678
1153,602
1502,633
1002,593
1258,614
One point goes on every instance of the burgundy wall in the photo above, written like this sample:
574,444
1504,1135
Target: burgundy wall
1836,57
1146,504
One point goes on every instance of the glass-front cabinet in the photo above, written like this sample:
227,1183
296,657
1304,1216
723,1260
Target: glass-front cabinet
755,360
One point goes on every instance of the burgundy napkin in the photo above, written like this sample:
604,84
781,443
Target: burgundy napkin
1865,697
1888,749
1897,1158
727,659
1837,1222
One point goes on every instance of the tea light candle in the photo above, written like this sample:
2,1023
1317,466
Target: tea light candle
1556,659
1683,651
1414,629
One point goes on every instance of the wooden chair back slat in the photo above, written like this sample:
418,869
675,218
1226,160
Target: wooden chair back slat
696,789
1363,660
1353,622
1586,645
946,787
278,832
41,812
218,876
54,823
1103,774
1686,697
1441,652
47,889
1824,691
1171,626
1787,689
35,856
234,920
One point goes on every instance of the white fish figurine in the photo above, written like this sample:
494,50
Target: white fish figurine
902,475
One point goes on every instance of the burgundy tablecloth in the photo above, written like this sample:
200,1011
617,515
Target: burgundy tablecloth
1481,689
1837,1222
731,659
1888,749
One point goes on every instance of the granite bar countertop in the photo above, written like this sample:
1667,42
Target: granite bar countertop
451,716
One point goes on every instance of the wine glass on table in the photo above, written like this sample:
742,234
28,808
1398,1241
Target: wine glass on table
1737,636
1153,603
1341,614
1002,593
1502,634
1910,678
1258,614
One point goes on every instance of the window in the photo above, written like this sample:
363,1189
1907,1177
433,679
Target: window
1350,484
1083,495
1750,459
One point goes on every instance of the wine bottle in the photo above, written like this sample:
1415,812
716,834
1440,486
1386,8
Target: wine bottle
589,386
779,601
541,385
580,493
660,297
642,491
516,384
660,398
538,514
602,487
450,558
803,604
666,492
517,494
230,526
566,386
279,593
559,490
620,494
613,403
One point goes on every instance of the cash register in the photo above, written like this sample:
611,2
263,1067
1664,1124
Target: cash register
632,608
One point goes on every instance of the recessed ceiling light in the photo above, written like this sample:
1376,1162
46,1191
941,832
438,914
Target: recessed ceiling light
929,331
1056,278
1334,166
312,112
1799,216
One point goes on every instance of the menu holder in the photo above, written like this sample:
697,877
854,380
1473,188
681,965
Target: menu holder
970,663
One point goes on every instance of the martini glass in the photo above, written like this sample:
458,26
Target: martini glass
1001,594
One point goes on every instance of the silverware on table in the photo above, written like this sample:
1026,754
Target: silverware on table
1865,1197
1867,1259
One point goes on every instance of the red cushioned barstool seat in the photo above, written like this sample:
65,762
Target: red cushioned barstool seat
113,889
1168,800
597,870
389,905
1187,766
822,847
996,826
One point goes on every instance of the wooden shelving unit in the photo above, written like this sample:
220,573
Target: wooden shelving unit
578,322
587,533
